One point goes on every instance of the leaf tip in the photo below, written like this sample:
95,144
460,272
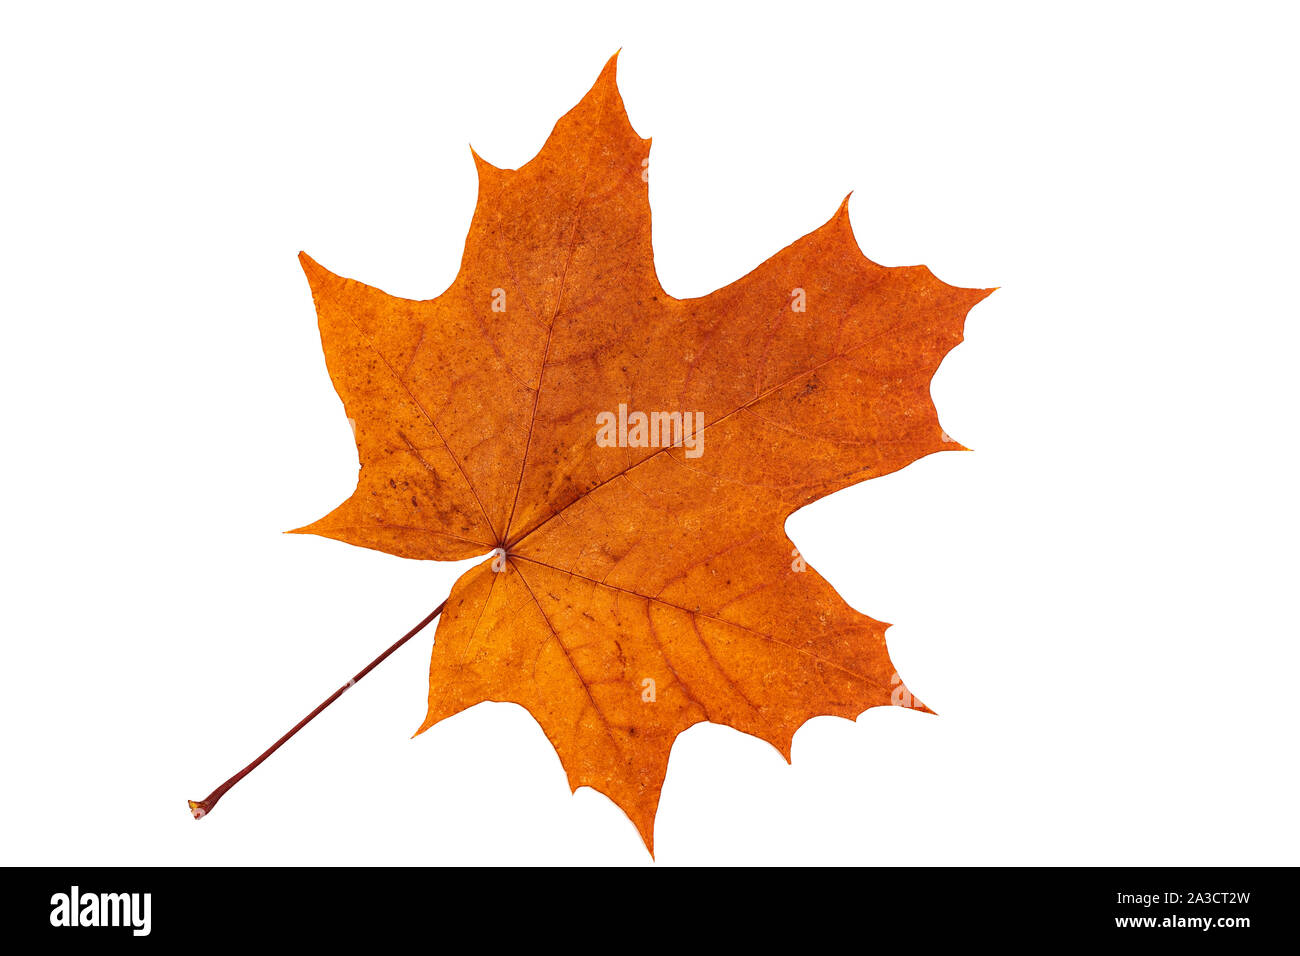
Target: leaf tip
606,89
317,274
840,225
482,165
648,836
607,81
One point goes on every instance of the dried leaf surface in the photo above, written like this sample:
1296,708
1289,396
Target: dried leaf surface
642,589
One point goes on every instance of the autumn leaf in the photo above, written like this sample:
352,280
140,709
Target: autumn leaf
638,578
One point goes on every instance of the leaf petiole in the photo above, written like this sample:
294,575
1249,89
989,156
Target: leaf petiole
201,808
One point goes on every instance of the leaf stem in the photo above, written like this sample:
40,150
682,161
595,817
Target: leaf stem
201,808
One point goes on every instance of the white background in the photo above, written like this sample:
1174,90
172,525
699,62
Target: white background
1099,601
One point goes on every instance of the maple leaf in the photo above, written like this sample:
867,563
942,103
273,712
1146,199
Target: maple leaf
637,585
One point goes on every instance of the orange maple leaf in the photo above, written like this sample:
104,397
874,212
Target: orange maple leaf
639,577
